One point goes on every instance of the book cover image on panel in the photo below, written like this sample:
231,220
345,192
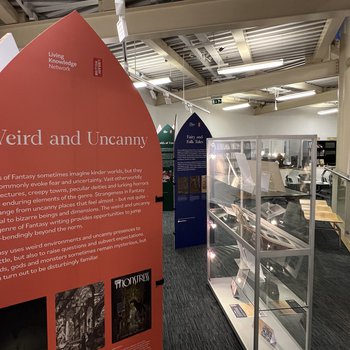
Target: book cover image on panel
182,185
24,325
80,321
131,305
195,184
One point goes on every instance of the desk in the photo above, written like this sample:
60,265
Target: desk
323,213
319,208
318,202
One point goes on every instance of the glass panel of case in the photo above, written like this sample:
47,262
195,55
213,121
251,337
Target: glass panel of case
283,329
280,171
230,188
285,169
230,279
284,278
285,189
283,302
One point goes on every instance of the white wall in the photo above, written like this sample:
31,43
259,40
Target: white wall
297,121
8,50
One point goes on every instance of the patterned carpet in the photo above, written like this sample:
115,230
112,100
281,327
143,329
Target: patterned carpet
194,320
192,317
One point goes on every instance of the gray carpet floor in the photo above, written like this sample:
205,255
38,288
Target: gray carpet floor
193,319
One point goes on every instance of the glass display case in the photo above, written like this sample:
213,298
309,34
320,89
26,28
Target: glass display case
260,244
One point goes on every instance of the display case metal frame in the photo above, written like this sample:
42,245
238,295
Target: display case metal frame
307,250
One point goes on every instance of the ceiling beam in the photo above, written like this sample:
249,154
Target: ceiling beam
255,94
103,23
8,14
27,9
106,5
203,38
242,45
176,18
301,102
56,9
334,52
260,81
328,34
162,49
199,55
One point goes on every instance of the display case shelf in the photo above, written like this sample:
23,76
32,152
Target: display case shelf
260,246
243,325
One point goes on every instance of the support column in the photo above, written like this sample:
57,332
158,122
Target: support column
343,125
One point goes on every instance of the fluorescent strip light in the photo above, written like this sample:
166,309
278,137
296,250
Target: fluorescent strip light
158,88
250,67
237,106
139,84
297,95
328,111
158,81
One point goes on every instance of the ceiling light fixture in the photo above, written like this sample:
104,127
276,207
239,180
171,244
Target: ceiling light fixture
139,84
250,67
328,111
158,81
167,98
122,28
236,106
153,94
296,95
159,88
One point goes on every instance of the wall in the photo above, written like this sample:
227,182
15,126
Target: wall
302,120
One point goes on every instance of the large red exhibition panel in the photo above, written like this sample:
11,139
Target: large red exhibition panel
80,225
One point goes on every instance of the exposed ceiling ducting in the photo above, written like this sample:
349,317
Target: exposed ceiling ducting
192,56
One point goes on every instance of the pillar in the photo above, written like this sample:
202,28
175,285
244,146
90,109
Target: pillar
343,125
